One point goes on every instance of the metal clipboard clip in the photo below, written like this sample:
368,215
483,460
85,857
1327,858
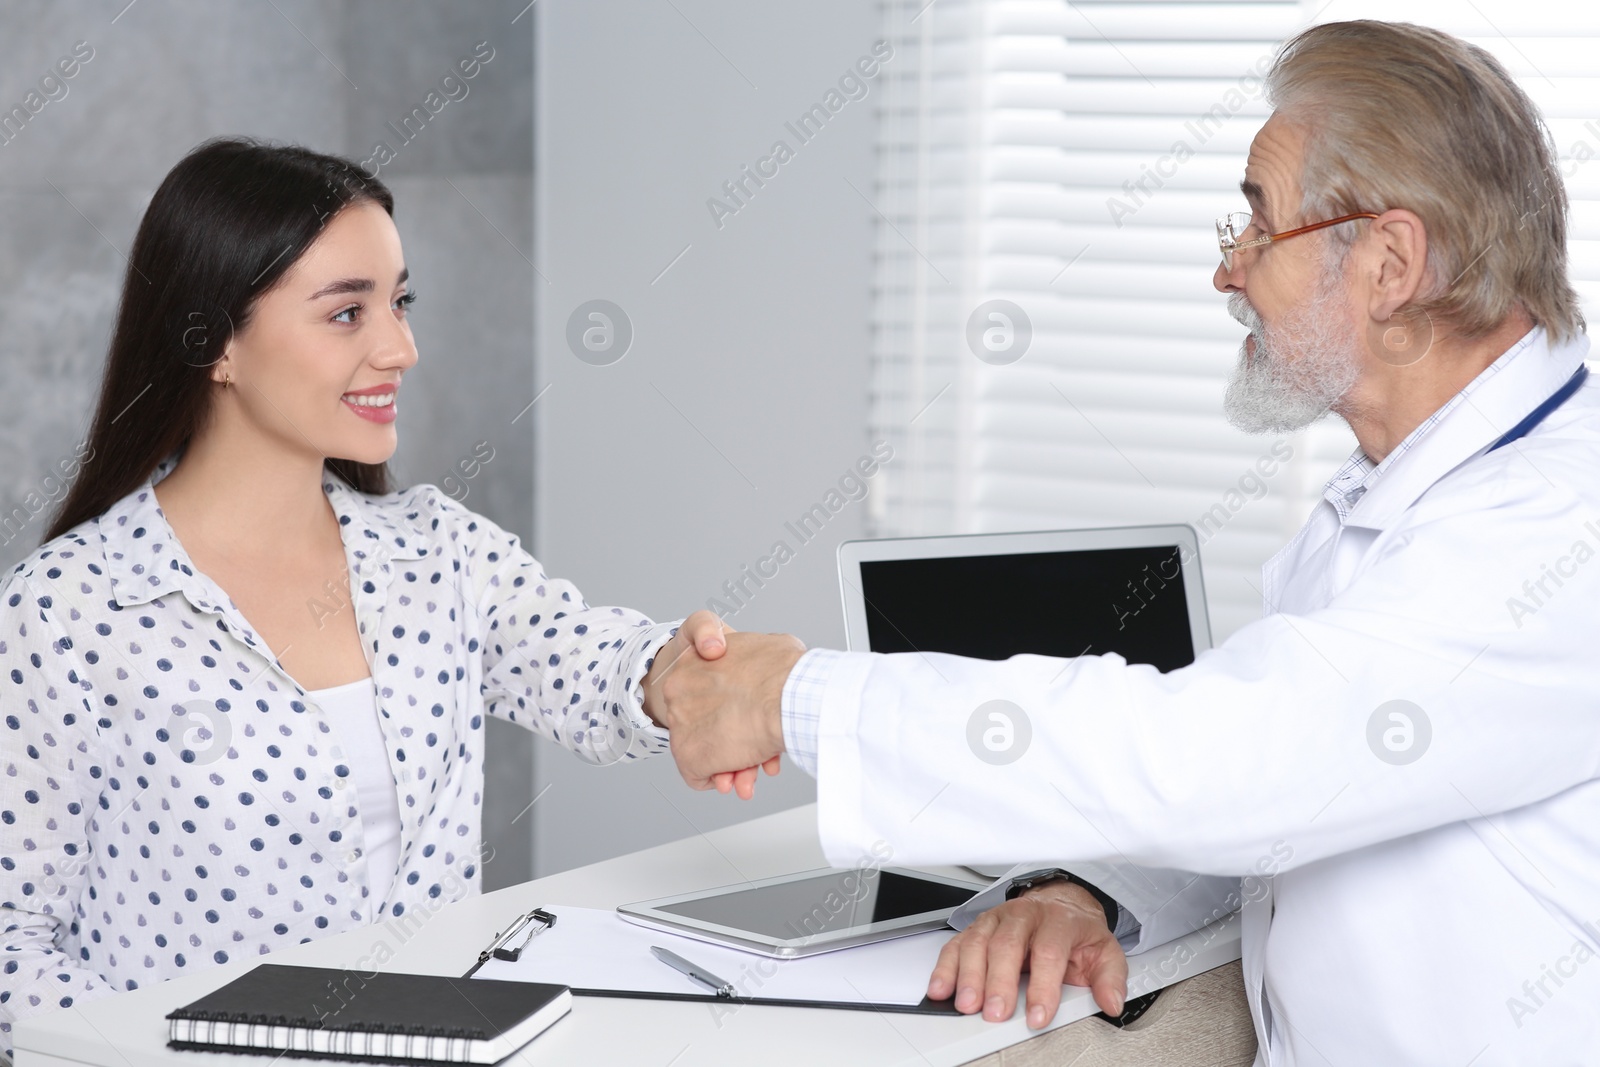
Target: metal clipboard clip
506,946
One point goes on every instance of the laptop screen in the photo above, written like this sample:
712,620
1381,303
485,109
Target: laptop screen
1125,600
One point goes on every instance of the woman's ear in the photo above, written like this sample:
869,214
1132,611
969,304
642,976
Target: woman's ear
222,367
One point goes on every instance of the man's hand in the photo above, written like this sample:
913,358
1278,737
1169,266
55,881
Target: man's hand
725,714
1058,930
701,634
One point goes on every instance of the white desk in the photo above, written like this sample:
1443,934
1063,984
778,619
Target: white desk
128,1029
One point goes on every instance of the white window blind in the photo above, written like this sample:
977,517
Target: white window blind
1070,158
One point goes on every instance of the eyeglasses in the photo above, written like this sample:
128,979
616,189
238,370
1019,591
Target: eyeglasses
1230,226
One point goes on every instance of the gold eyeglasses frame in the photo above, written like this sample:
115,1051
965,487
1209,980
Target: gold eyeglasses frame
1228,236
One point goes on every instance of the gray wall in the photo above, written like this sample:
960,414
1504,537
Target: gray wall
165,75
743,397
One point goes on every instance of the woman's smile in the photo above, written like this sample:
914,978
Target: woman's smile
376,404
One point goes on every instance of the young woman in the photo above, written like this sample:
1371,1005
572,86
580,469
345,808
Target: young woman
243,683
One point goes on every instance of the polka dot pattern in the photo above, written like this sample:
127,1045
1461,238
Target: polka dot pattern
173,799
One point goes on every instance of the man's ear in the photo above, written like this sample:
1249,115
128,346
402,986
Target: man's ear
1397,244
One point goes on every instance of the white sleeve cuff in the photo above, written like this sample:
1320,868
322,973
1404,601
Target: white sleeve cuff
639,659
1127,926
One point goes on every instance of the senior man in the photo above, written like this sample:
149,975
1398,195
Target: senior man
1404,748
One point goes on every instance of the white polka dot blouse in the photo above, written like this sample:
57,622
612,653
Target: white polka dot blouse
173,799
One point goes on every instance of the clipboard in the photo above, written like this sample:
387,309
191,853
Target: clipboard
523,936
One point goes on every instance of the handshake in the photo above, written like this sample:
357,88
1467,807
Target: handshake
719,694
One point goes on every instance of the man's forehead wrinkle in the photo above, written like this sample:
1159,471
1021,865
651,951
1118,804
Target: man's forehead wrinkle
1274,166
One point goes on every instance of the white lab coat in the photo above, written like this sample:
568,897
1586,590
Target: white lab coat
1157,906
1445,910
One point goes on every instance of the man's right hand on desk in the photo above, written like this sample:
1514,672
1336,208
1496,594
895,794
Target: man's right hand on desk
1059,930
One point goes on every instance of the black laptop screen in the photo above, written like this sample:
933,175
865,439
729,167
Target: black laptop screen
1125,600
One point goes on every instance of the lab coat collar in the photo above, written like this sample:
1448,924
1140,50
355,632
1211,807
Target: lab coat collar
146,561
1493,402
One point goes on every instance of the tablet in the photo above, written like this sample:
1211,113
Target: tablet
810,912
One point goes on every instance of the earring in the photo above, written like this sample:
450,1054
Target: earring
227,379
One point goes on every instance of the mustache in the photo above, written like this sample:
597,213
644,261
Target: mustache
1239,307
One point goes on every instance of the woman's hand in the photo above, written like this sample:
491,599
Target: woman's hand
702,634
744,782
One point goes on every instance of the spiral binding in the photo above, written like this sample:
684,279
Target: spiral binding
240,1029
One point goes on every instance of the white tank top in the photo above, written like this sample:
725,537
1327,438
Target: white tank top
352,711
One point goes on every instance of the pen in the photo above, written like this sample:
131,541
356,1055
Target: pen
699,974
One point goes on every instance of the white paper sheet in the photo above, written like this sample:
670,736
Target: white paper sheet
590,949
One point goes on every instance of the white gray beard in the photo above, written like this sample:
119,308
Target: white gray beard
1299,371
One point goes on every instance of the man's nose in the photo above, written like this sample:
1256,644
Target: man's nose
1225,281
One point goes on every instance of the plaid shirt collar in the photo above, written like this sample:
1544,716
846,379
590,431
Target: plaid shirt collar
1502,393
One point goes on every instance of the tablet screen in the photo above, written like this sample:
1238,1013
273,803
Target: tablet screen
826,903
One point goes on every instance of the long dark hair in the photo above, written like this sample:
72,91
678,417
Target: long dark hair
226,224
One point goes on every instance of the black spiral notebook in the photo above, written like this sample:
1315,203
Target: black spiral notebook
329,1013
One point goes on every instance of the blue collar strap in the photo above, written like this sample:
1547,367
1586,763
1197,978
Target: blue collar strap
1537,415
